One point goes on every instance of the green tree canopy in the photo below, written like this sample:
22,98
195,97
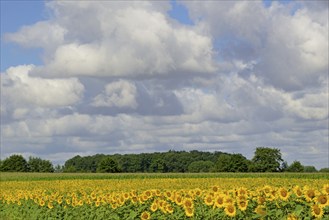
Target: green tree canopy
296,166
310,169
232,163
108,165
15,163
266,160
37,164
324,170
200,166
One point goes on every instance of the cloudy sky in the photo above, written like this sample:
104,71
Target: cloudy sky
128,77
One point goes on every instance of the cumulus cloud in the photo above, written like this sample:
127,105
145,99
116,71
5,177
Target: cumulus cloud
20,89
289,47
116,40
119,94
125,77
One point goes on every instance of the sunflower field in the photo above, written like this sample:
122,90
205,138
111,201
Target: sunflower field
166,198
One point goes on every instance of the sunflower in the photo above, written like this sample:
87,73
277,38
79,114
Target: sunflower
169,208
178,199
154,207
309,194
97,203
215,188
317,211
50,205
284,194
230,210
198,192
208,200
219,201
59,200
322,200
243,204
298,191
242,191
325,189
261,200
189,212
188,203
145,215
229,200
42,202
267,190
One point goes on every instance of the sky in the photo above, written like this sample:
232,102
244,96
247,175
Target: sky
87,77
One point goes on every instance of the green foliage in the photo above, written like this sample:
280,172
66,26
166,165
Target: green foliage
310,169
171,161
324,170
200,166
108,165
296,166
14,163
36,164
266,160
232,163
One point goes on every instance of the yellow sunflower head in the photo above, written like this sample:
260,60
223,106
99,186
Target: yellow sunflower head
298,191
317,211
169,208
178,199
242,191
284,194
145,215
325,189
215,189
189,212
242,205
309,194
154,207
230,210
322,200
208,200
219,201
188,203
50,205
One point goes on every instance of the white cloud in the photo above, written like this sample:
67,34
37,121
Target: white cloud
117,40
124,77
20,89
118,94
290,45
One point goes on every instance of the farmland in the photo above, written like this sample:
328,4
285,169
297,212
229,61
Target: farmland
164,196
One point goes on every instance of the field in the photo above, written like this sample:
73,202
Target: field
164,196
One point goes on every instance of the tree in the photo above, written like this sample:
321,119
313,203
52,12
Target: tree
15,163
296,166
324,170
58,168
158,166
310,169
36,164
108,165
266,160
200,166
232,163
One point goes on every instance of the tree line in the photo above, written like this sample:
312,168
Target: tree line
265,159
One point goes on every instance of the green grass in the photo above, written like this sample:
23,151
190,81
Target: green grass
69,176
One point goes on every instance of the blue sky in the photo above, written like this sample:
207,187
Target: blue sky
14,15
226,76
